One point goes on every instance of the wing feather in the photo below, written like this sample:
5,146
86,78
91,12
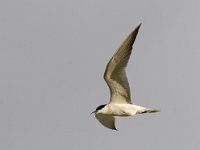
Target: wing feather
115,73
106,120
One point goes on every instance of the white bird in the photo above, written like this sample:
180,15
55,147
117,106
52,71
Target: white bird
120,97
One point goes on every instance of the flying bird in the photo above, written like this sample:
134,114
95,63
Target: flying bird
120,96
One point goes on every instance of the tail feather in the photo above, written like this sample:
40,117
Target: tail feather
150,110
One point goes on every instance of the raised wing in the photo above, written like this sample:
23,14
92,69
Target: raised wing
106,120
115,74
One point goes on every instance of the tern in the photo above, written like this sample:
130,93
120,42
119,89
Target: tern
120,96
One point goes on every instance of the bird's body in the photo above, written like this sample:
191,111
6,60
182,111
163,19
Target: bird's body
122,110
120,96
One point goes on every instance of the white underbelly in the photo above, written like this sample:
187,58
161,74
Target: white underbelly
124,109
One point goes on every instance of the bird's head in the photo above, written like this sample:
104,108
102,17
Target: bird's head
98,109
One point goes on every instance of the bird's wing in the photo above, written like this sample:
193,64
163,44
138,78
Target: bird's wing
115,74
106,121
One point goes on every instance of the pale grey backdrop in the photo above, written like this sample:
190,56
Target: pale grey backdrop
52,59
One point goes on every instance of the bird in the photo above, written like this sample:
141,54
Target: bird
120,103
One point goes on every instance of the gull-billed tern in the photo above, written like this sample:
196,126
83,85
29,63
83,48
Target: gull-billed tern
120,96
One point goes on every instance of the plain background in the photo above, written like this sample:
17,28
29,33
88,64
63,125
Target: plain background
52,59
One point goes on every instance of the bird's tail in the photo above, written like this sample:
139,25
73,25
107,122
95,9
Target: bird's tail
150,110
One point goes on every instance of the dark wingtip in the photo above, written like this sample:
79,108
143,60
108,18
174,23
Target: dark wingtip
138,27
114,129
135,32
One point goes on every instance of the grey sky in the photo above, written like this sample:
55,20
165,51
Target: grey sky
52,59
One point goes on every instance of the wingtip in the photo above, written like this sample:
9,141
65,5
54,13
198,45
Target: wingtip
138,27
136,30
115,128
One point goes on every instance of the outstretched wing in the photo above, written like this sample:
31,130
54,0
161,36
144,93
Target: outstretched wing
106,121
115,74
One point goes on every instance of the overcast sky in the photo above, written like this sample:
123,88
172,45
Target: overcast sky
53,55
